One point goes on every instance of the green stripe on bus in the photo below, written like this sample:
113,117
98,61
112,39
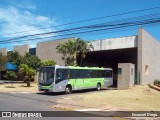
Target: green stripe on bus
87,68
45,87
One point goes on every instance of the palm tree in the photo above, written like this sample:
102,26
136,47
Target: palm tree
67,49
63,50
27,72
82,48
72,48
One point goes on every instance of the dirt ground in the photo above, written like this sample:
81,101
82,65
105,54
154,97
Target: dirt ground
18,87
138,98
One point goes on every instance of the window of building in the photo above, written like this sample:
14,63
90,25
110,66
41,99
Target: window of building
119,71
146,69
32,51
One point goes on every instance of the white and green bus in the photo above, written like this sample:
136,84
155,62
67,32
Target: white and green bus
69,78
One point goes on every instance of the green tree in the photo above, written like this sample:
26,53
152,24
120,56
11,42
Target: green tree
47,63
82,48
3,61
10,75
31,60
73,48
67,50
14,57
28,72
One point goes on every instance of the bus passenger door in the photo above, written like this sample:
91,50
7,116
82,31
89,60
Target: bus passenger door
87,79
78,80
79,83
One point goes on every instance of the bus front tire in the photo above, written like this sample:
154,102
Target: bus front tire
98,87
68,90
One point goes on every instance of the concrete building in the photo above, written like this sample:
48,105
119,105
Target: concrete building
141,50
148,57
3,51
22,49
47,50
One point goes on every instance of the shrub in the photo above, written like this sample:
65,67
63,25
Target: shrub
48,63
10,75
157,81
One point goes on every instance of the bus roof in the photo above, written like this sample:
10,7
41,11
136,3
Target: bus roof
78,67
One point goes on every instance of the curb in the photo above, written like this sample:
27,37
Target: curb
154,87
98,112
95,109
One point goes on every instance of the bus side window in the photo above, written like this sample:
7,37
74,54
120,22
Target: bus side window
61,74
77,73
100,73
74,73
82,74
68,74
71,74
58,76
64,74
94,73
108,73
89,74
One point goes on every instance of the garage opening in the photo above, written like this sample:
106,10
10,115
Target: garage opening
110,59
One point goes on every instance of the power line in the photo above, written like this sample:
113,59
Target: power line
116,26
108,24
100,26
89,19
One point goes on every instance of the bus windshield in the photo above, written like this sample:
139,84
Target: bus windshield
46,76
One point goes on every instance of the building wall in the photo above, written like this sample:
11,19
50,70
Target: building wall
126,75
3,51
115,43
47,50
22,49
148,58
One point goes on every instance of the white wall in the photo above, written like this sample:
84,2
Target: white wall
115,43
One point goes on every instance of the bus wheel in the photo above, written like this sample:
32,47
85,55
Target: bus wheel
68,90
98,86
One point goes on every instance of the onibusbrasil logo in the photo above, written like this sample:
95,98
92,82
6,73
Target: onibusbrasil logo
21,114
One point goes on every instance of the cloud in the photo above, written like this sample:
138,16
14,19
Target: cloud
23,4
23,22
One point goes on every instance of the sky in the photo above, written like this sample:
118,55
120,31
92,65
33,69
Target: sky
26,17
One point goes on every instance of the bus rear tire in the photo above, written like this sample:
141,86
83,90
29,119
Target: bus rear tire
98,88
68,89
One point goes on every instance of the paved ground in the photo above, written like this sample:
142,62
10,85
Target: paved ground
21,101
32,101
18,97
